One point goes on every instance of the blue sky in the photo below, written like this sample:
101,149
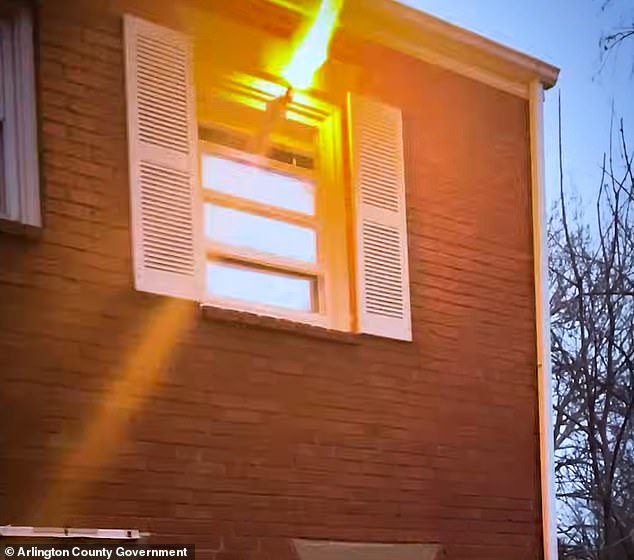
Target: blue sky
564,33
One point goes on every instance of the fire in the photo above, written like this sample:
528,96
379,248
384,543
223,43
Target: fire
312,46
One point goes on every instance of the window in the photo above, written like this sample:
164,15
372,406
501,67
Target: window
19,184
273,204
234,208
262,231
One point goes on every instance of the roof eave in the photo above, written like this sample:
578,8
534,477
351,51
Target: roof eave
438,42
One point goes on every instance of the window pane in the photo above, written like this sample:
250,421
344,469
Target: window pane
258,286
262,185
242,229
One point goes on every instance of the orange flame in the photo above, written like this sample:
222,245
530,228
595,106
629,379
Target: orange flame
312,48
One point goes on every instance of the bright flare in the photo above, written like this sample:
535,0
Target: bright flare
312,49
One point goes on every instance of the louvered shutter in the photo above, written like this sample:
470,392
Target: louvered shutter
376,141
165,199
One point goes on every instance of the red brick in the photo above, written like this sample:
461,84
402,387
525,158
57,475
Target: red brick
240,544
249,435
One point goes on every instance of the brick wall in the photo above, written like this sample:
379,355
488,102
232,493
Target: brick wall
123,409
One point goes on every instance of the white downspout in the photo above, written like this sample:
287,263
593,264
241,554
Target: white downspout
542,319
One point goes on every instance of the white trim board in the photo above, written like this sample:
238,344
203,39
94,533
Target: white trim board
542,324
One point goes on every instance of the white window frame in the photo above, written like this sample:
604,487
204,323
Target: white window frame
18,113
332,269
215,250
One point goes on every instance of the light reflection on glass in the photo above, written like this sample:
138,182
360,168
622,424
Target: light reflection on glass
258,286
261,185
242,229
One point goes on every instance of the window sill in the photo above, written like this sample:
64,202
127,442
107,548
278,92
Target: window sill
19,229
246,319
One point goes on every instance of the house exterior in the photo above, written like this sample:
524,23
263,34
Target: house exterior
273,324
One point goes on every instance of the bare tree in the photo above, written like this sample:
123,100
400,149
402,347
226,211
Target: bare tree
619,36
592,327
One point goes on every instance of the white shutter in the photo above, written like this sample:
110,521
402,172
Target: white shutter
376,139
165,199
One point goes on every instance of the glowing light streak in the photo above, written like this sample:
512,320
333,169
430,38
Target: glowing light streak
312,48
